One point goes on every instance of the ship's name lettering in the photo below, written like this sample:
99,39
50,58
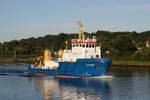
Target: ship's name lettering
90,64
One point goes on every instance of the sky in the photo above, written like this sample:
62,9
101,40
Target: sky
21,19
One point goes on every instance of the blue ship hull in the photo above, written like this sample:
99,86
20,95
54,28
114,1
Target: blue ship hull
82,68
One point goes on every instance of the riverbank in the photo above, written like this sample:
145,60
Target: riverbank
114,62
130,63
17,60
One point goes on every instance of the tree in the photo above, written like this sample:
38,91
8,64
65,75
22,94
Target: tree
123,43
15,45
1,49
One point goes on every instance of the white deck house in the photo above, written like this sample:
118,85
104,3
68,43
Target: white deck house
85,49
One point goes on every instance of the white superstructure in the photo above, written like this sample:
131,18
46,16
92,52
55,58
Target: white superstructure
81,48
86,49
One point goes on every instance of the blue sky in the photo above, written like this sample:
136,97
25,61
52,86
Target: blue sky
32,18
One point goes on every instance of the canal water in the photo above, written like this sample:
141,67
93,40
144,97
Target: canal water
126,84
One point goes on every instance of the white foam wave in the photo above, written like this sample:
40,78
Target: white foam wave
104,77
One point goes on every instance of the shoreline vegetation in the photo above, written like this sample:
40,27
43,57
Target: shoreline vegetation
130,64
16,60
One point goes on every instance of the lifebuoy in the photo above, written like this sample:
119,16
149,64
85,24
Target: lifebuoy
97,56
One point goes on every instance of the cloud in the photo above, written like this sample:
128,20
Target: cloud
118,8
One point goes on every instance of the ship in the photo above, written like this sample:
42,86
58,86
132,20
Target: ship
83,60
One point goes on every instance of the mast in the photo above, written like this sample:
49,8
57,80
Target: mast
80,30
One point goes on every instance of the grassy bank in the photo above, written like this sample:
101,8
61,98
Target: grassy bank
131,63
128,61
17,60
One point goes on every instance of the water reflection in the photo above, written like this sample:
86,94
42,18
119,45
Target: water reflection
128,71
72,89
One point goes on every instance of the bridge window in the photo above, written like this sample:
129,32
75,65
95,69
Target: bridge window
83,45
73,45
77,45
93,45
80,45
87,45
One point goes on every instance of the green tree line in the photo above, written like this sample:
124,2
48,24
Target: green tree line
116,45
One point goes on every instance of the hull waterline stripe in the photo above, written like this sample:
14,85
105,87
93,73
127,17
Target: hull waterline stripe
60,76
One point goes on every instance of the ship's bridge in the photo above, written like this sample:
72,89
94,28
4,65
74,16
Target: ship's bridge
89,43
81,48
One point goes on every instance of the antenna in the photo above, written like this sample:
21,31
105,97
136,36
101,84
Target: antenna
80,30
66,45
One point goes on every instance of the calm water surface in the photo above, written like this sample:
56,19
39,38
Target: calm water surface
126,84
